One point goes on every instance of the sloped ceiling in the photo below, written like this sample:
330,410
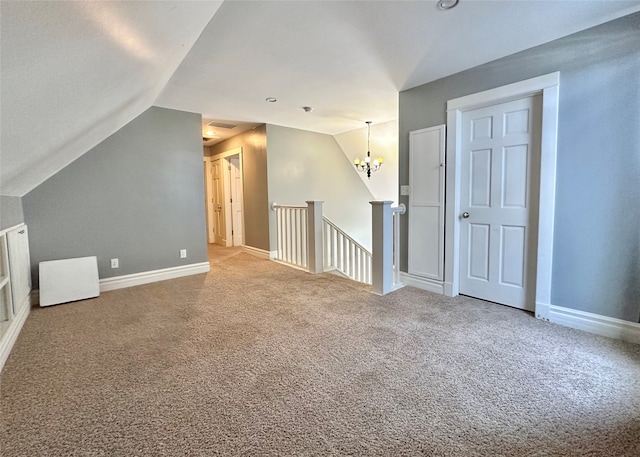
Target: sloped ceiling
349,59
73,73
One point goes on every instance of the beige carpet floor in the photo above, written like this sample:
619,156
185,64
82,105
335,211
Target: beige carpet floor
257,359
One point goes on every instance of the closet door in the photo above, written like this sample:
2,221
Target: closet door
426,202
19,265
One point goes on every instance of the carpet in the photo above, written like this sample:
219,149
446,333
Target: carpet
258,359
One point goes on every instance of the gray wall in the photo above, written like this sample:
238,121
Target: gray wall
137,196
254,167
306,165
596,263
10,211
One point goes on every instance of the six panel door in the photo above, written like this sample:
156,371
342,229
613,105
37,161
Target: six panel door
498,202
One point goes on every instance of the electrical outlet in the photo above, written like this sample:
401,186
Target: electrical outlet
115,263
183,253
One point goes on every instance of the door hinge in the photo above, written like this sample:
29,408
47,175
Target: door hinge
231,200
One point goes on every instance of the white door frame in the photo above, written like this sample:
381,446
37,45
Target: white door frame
226,155
208,199
547,85
231,227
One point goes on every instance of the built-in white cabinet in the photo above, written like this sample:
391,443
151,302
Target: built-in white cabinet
426,203
6,304
19,266
15,285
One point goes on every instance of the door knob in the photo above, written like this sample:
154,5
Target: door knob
465,215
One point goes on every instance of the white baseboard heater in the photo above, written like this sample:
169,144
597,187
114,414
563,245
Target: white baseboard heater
62,281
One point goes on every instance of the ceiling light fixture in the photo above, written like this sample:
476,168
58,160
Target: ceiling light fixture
366,165
447,4
271,99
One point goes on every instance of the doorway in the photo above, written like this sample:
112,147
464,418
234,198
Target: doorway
499,185
537,295
234,200
225,198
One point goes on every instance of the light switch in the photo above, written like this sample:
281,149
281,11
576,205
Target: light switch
404,190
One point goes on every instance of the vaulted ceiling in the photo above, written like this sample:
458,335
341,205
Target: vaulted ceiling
73,73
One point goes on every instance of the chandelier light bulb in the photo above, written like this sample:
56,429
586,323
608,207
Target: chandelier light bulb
365,165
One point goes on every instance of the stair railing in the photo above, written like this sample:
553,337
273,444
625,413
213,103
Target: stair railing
291,234
386,246
343,253
307,240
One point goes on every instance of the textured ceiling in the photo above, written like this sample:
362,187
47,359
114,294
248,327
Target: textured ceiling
73,73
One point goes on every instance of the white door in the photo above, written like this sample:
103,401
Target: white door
217,188
235,182
499,199
426,202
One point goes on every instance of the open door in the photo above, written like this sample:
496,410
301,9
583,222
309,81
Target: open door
218,207
235,195
224,198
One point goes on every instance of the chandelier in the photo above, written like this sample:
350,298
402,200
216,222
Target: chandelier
367,165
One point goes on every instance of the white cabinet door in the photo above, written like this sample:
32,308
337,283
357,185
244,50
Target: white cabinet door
499,201
426,202
6,306
20,267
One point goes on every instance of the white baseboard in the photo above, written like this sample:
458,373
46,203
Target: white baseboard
448,289
543,311
595,323
261,253
10,337
422,283
146,277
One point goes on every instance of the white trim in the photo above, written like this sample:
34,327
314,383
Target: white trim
208,199
448,289
422,283
228,239
261,253
291,265
8,229
548,86
10,337
543,311
225,154
394,287
437,202
506,93
228,195
595,323
145,277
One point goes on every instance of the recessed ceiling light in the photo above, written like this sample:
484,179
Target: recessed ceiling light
210,132
447,4
271,99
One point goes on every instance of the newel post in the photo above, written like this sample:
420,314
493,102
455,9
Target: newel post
381,247
314,236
